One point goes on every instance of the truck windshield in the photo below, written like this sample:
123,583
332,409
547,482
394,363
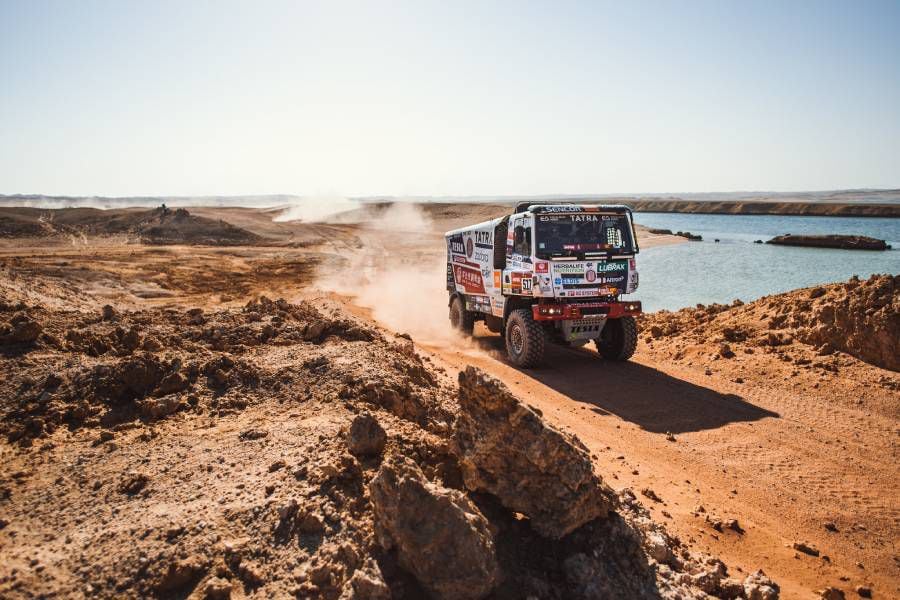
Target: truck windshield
581,234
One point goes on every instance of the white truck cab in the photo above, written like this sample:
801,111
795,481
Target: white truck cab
548,272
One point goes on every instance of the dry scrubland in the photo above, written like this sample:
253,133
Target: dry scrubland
169,430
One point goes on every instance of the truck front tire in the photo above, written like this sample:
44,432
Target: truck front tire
461,319
525,339
618,340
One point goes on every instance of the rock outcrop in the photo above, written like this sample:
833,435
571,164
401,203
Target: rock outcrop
506,449
843,242
440,536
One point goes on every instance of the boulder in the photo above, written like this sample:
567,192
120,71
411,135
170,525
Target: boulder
506,449
440,536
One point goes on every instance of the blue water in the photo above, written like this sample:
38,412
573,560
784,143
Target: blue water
704,272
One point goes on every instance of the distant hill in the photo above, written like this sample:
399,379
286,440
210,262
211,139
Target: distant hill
156,226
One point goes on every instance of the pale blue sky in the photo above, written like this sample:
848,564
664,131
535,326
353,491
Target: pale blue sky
419,98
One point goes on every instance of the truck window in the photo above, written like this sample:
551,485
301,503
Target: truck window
500,244
522,245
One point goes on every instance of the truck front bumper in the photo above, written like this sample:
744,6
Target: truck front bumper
585,310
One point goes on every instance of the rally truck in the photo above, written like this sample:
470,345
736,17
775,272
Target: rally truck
548,273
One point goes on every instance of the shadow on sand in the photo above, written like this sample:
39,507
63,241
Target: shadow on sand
655,401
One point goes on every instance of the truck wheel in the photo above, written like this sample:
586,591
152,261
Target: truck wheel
525,339
460,318
618,340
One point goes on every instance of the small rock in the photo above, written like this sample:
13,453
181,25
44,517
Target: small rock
831,593
670,436
805,548
108,313
133,483
649,493
366,436
863,591
759,587
217,589
104,436
830,526
179,574
253,434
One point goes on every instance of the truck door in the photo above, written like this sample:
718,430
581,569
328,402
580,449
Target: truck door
518,257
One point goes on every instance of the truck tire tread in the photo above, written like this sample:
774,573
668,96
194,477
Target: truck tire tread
621,341
535,339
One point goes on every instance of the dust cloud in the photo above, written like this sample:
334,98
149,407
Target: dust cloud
399,274
315,209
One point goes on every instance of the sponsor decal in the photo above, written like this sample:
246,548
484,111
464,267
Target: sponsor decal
560,209
470,247
566,268
526,284
455,244
557,281
470,280
478,303
497,306
612,267
497,278
482,256
542,267
590,275
483,238
516,282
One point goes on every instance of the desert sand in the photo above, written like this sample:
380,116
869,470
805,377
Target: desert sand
168,433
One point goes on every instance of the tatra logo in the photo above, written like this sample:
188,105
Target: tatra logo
483,237
590,275
470,247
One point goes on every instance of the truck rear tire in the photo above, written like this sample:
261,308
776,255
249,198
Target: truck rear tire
525,339
618,340
460,318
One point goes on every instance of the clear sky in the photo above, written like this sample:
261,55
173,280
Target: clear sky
447,98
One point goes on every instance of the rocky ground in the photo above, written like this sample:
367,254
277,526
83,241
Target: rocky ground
283,449
168,431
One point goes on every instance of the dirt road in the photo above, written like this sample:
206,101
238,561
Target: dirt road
795,459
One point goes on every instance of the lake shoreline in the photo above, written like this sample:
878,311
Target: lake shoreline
793,209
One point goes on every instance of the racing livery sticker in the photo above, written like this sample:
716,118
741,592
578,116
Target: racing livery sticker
470,279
